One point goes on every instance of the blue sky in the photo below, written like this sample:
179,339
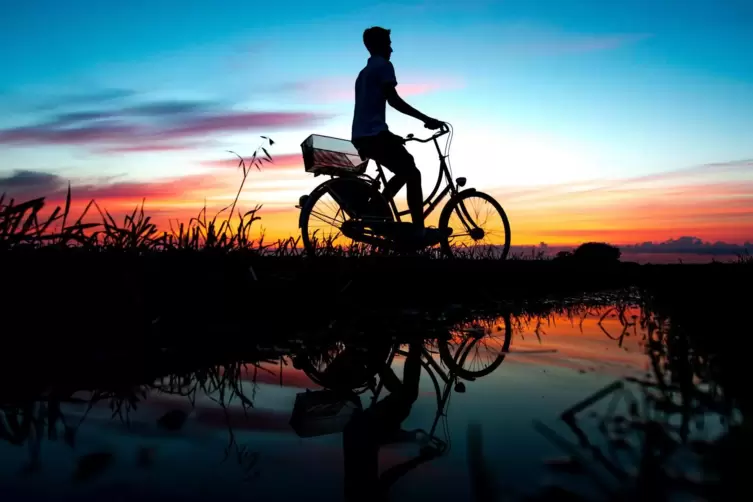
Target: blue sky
551,91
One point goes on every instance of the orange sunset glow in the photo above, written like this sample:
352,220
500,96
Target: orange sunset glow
618,211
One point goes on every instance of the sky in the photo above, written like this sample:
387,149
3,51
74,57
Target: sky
624,122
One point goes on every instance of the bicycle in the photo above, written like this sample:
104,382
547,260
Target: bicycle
362,214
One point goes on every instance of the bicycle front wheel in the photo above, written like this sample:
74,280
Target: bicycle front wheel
477,349
480,228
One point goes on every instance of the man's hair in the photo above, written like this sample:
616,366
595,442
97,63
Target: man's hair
375,37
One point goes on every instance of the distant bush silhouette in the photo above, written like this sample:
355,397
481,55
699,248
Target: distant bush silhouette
597,251
592,252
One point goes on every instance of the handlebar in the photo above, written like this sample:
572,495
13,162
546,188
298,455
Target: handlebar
442,131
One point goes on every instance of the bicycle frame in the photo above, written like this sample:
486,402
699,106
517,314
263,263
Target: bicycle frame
428,363
434,199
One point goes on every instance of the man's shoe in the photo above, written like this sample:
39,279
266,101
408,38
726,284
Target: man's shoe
432,236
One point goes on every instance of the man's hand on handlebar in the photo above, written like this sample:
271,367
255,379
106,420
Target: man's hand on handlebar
442,130
433,124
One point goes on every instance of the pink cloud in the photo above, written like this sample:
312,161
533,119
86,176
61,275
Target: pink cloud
342,88
285,161
171,189
422,88
240,122
147,148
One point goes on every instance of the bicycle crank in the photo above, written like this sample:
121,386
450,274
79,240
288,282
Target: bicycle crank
364,232
385,234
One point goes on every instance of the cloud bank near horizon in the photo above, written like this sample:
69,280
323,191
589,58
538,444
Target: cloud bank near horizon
674,246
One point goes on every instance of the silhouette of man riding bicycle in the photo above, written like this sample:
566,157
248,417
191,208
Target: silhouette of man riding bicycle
351,209
375,87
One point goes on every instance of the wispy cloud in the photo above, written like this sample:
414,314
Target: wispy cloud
149,147
579,44
690,245
529,40
25,184
149,126
132,134
30,184
95,97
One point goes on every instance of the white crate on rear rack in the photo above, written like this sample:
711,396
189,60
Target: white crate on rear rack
331,156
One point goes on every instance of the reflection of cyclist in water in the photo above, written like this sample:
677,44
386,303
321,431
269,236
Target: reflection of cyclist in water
375,87
379,425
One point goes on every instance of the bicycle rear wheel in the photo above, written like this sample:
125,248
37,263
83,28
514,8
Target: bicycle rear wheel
480,228
332,204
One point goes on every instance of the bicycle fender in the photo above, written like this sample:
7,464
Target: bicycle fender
455,197
330,184
460,194
319,188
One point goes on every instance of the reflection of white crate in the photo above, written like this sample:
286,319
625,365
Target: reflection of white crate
317,413
333,156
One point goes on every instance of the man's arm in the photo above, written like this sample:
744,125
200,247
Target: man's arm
389,84
396,102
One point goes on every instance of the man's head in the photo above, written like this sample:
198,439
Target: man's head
377,41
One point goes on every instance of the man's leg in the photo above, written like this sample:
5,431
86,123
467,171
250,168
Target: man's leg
412,371
361,458
393,186
397,159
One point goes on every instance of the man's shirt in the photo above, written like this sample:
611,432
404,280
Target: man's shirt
371,100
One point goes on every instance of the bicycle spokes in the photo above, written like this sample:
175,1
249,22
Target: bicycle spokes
476,349
476,220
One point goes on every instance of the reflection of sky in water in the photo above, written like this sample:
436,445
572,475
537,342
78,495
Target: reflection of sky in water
187,464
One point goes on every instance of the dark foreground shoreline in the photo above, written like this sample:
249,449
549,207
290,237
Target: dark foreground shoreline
82,305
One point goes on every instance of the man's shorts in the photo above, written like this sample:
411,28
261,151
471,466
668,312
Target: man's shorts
388,150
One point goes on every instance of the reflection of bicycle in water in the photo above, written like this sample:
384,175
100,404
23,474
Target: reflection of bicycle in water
349,208
469,351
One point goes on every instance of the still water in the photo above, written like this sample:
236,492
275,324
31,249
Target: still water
501,437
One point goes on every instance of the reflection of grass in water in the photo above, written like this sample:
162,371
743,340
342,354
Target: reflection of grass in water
32,418
693,382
